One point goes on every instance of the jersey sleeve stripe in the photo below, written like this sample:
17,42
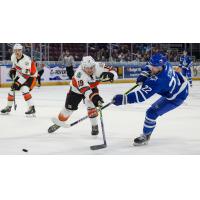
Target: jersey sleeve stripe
136,95
144,98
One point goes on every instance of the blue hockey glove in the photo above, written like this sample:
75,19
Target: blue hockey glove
119,99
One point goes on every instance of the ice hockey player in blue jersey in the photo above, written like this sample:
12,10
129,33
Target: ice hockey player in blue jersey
158,77
185,65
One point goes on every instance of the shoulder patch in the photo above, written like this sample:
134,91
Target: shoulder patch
78,75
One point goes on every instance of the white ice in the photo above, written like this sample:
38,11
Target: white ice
177,132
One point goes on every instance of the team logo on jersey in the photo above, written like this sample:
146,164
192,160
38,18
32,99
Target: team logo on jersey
79,74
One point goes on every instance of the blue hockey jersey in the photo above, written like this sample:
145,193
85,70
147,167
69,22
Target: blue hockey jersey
185,62
167,83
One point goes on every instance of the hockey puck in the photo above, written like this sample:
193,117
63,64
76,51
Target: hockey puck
24,150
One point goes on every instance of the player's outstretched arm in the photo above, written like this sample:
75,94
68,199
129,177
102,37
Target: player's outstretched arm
146,91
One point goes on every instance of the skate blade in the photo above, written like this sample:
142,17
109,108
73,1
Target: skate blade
30,115
93,135
142,144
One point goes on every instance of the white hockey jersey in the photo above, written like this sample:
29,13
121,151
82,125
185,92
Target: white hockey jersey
82,83
25,68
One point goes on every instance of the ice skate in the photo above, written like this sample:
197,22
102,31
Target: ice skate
6,110
142,140
53,128
31,112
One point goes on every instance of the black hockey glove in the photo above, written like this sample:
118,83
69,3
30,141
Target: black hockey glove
12,73
16,86
96,99
107,76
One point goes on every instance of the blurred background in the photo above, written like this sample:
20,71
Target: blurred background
107,52
53,60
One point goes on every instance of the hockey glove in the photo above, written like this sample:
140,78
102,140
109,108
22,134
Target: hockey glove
96,99
16,86
12,73
107,76
120,99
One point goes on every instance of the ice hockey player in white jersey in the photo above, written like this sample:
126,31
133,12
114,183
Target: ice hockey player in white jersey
23,73
84,86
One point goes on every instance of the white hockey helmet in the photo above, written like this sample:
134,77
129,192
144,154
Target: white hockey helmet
87,62
17,46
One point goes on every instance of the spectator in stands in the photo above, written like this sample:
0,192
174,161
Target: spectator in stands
36,54
102,54
121,57
114,55
137,56
77,57
68,61
8,54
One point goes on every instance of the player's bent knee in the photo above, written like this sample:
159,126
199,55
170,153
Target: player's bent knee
62,117
64,114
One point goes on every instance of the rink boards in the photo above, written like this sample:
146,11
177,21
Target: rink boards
55,74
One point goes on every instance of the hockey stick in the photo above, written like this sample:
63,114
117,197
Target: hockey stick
54,120
83,118
15,105
63,125
104,145
105,106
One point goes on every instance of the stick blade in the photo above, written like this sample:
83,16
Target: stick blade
97,147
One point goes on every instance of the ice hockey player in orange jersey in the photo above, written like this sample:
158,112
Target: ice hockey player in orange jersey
23,73
84,86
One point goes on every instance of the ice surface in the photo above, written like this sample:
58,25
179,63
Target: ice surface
177,132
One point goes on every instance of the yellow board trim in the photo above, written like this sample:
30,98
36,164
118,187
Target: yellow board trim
67,83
